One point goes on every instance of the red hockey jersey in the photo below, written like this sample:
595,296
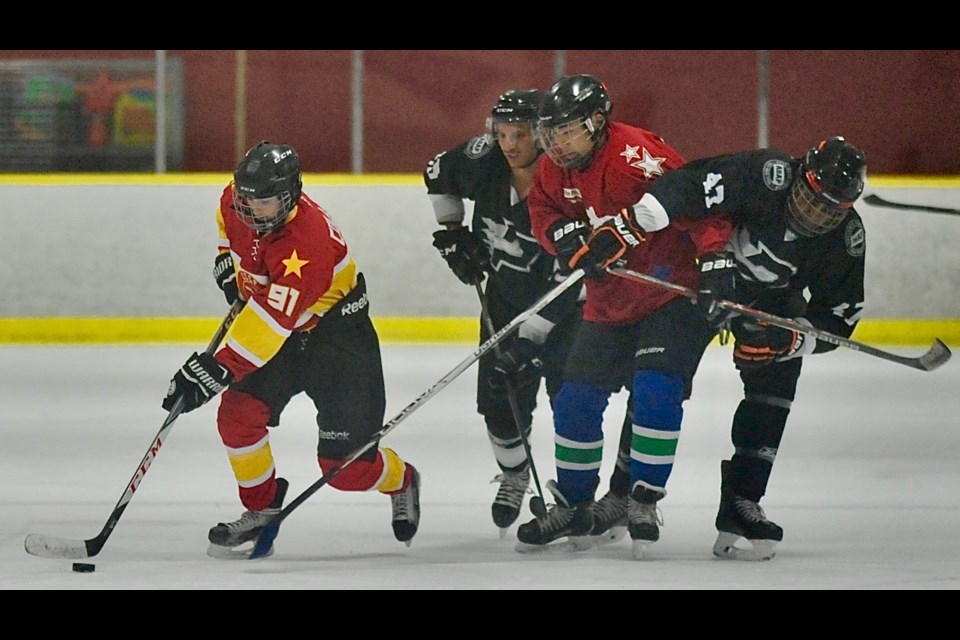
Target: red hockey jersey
622,170
289,278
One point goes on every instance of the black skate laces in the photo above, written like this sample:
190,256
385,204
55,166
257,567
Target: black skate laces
750,510
610,508
513,486
403,504
644,513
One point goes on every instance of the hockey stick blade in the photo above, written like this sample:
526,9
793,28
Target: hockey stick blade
936,355
45,546
877,201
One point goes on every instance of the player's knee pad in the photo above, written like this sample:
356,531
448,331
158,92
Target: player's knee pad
657,400
502,427
578,411
242,419
384,472
360,475
758,425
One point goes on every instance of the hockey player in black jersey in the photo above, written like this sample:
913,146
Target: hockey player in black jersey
796,231
496,171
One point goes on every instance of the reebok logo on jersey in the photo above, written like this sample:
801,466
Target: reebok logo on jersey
572,194
334,435
353,307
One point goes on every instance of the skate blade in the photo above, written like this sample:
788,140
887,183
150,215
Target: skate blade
611,535
221,552
726,548
639,550
503,532
572,544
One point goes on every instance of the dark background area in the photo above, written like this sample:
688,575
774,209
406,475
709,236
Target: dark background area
902,107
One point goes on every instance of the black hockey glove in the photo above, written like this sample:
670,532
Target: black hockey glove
718,281
465,255
608,243
199,379
226,277
568,237
519,364
758,343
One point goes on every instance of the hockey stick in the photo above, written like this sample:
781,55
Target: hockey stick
265,541
537,504
877,201
56,547
937,355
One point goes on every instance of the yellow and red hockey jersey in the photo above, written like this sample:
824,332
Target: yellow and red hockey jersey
289,277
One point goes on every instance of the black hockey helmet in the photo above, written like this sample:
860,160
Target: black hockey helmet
517,106
832,177
267,171
567,122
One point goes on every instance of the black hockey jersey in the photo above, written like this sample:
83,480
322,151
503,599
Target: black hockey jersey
521,272
752,187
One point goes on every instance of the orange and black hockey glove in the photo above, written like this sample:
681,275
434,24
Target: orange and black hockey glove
608,243
759,343
568,237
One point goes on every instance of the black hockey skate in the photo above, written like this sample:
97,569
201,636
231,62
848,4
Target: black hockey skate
227,538
643,518
514,485
562,520
738,518
406,508
609,519
610,511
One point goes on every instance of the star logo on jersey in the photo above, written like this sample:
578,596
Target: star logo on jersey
293,264
650,165
630,153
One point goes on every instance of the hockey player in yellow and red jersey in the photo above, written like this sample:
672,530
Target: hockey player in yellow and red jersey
305,328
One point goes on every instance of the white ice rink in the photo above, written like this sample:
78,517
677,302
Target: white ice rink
866,485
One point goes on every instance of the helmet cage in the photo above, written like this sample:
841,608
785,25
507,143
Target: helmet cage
247,208
810,213
832,177
570,144
573,120
267,182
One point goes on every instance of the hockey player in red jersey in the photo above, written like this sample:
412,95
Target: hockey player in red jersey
305,328
633,334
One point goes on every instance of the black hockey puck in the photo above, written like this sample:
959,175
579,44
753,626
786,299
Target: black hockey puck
83,567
